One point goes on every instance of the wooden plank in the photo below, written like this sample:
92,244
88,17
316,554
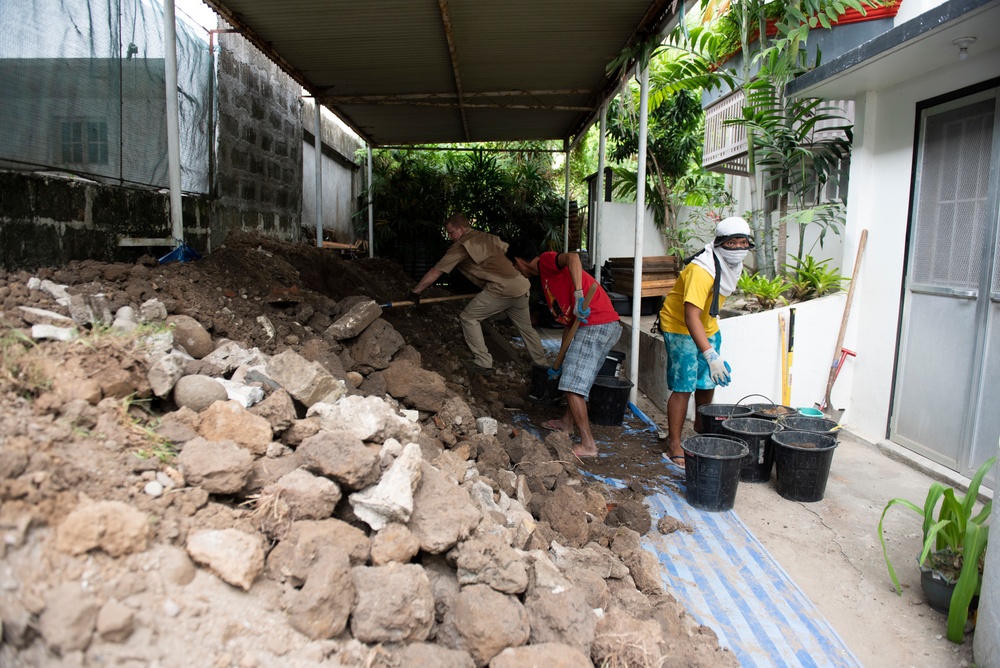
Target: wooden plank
649,288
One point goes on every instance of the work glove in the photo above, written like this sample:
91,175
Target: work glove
717,367
414,297
579,310
554,373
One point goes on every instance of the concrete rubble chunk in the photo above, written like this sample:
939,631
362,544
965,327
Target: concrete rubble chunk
427,655
165,371
54,333
112,526
394,604
416,387
487,425
591,557
230,355
394,543
152,310
230,421
354,321
368,418
235,556
488,622
218,467
309,497
342,456
562,617
90,309
443,513
115,621
40,316
392,499
306,381
550,655
543,574
245,395
54,290
376,345
489,560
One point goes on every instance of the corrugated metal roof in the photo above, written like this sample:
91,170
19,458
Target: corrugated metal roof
439,71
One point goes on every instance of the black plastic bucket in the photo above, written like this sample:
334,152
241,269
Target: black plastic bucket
612,363
756,433
802,461
772,411
544,390
712,470
712,416
608,400
813,424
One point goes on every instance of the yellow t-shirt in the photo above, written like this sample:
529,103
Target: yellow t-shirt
693,286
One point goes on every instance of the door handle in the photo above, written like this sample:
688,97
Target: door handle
944,292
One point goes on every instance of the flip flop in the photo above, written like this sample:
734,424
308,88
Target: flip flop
674,458
552,425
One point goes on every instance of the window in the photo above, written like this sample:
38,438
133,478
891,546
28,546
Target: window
84,142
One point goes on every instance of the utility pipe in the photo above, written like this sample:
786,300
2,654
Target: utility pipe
640,211
566,219
595,243
318,160
371,207
173,121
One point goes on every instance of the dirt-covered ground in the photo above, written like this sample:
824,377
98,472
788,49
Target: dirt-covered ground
129,540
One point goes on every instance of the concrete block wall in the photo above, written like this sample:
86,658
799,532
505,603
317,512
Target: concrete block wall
259,183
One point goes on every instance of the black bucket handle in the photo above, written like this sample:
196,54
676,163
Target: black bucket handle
754,395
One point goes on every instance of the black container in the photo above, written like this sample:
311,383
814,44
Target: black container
608,400
802,460
772,411
813,424
756,433
612,363
712,470
544,390
712,416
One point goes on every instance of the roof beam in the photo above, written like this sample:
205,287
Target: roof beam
453,52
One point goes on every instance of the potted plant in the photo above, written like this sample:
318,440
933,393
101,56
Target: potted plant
954,543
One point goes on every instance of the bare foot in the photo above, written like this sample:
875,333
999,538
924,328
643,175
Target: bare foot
581,452
554,425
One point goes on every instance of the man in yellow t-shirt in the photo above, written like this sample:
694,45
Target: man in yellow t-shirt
690,327
480,256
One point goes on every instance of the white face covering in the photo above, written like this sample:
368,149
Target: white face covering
731,257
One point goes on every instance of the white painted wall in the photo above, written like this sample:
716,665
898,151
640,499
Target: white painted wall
880,190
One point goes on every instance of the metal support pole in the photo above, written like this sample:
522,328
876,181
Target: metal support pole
318,148
371,207
566,220
173,121
595,243
640,211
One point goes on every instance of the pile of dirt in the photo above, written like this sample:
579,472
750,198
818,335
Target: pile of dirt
244,461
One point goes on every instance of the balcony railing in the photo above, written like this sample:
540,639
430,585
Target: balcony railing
725,148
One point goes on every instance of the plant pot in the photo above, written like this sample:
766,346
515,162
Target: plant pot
937,589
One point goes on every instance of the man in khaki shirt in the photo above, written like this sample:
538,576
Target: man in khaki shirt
481,258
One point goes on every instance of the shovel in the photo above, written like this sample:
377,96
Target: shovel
568,334
429,300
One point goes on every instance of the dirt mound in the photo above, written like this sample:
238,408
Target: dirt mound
243,461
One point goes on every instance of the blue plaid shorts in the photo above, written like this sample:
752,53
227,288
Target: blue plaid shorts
585,356
687,370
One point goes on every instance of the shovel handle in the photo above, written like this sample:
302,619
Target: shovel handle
429,300
568,336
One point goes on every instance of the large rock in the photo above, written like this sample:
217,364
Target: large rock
562,617
392,499
307,541
190,334
309,497
112,526
488,622
352,323
198,392
235,556
218,467
67,623
342,456
549,655
307,381
394,604
416,387
320,609
230,421
443,513
376,345
427,655
491,561
368,418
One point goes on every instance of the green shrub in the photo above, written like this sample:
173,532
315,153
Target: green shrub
767,292
809,279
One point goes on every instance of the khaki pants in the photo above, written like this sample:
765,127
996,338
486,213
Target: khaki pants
485,305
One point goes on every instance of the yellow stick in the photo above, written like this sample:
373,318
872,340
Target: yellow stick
783,354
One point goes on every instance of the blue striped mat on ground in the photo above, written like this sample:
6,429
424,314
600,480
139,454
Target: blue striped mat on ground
728,581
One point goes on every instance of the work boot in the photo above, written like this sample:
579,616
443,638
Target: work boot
479,370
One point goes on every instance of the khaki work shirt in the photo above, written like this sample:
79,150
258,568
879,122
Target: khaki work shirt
480,257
